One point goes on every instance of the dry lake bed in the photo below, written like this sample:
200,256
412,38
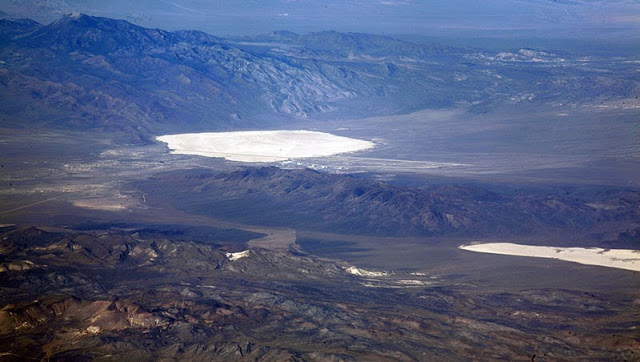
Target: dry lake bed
263,146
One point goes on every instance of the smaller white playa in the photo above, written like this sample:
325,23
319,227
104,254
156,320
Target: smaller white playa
612,258
262,146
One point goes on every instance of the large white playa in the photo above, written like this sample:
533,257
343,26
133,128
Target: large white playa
262,146
612,258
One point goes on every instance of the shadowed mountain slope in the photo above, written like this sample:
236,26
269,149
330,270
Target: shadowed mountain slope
354,205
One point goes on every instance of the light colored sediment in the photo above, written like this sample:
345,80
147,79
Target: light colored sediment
100,204
262,146
238,255
612,258
365,273
281,239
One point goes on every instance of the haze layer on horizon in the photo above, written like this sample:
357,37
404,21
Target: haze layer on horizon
542,18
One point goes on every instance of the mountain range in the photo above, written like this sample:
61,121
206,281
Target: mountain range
504,17
86,72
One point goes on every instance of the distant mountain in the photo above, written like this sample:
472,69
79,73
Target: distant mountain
10,29
110,74
355,44
85,72
89,69
389,16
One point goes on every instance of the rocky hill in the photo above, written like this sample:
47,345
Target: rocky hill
116,294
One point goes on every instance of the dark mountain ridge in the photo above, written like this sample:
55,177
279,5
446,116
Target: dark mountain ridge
354,205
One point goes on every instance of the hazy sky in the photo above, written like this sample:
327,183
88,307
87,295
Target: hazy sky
231,17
